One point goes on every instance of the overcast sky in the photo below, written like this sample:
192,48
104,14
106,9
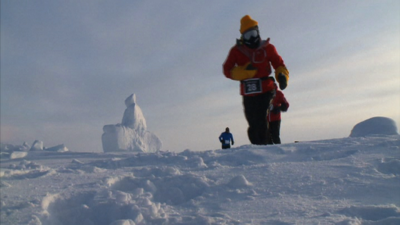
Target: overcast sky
67,67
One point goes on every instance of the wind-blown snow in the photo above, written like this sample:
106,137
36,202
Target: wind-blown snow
131,134
354,180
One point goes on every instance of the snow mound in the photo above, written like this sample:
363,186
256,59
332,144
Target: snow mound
143,198
132,134
239,182
375,125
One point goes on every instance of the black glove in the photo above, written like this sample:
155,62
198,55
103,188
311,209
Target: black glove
233,143
282,81
276,110
250,67
284,107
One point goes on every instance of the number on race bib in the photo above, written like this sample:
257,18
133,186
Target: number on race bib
252,86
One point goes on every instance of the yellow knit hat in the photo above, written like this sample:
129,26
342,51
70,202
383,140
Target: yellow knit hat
246,23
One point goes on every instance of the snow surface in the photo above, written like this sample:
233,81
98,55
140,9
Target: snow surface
132,134
353,181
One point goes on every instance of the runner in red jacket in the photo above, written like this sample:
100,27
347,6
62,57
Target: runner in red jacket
249,62
279,103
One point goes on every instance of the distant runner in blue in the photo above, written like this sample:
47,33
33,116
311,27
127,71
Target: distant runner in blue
226,138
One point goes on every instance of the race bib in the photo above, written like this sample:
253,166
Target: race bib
227,142
252,86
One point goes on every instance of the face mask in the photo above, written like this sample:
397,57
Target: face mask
253,43
249,34
251,39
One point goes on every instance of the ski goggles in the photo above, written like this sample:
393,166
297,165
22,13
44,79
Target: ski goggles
249,34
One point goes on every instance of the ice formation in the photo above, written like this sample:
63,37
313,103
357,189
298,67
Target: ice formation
37,146
132,133
58,148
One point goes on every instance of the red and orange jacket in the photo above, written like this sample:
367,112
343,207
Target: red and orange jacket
261,58
276,102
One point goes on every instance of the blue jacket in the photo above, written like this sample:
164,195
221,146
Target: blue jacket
226,138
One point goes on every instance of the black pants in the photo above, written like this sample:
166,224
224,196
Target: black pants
274,132
226,146
255,110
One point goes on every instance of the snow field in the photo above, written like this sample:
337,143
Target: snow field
340,181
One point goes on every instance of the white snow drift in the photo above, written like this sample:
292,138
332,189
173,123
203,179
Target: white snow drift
348,181
131,134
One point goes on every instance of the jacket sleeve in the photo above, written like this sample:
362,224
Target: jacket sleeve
229,63
277,62
275,59
283,100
